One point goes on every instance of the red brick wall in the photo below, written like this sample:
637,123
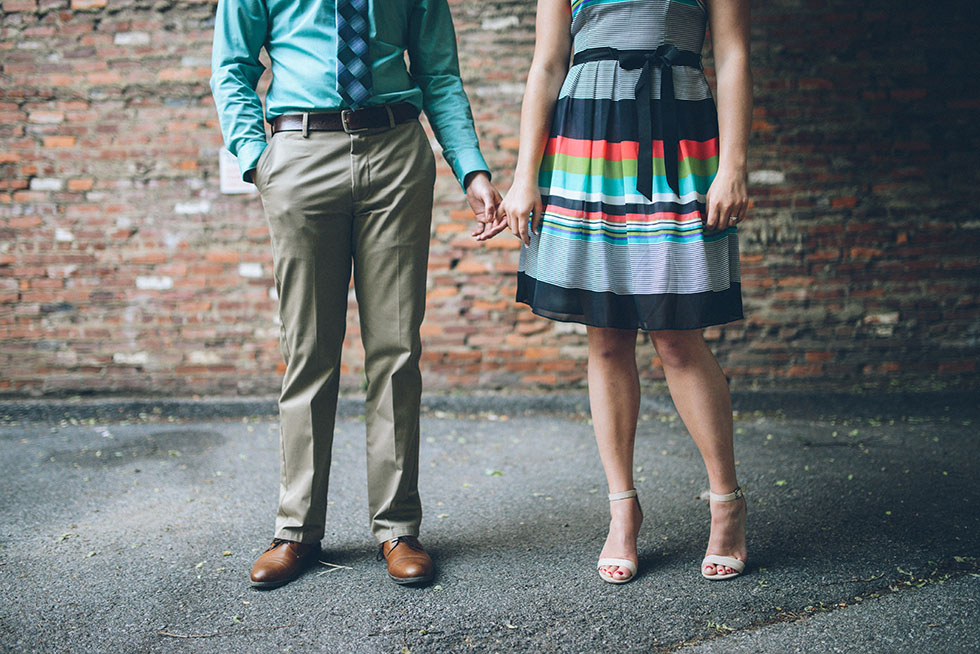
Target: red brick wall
123,268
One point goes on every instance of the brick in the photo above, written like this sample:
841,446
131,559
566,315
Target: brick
46,117
957,367
503,241
223,256
59,141
149,257
541,352
80,184
539,380
450,228
442,292
470,266
194,307
13,6
24,222
107,77
176,75
813,84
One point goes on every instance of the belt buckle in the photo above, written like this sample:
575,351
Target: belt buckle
345,115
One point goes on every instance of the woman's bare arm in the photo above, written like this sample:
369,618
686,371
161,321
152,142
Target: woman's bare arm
552,51
728,195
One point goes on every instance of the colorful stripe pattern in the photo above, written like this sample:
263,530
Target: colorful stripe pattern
606,255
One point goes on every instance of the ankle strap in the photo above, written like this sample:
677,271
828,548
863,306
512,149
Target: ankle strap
622,496
736,494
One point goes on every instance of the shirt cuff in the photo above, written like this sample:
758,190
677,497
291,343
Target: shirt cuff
248,156
468,161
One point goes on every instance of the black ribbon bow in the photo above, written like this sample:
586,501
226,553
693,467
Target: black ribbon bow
665,58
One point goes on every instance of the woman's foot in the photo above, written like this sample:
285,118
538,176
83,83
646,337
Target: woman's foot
624,527
727,536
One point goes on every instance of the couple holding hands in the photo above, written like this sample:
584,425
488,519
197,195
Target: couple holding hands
628,188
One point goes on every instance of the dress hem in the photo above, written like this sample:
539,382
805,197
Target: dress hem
645,312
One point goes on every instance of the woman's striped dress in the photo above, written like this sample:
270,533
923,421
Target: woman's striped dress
610,254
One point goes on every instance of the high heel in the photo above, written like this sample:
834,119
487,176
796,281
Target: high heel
622,563
716,559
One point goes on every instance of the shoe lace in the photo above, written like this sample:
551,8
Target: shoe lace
276,542
411,541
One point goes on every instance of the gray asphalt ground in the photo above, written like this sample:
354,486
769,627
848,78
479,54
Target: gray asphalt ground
131,525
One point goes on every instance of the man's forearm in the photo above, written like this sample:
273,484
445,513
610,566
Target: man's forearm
239,33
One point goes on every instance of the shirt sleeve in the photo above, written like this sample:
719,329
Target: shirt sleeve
240,28
434,64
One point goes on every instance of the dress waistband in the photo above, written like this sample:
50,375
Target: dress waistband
664,58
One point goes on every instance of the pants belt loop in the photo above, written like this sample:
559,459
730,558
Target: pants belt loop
391,117
306,124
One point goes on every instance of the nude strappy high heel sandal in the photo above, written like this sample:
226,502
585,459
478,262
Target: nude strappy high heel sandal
717,560
622,563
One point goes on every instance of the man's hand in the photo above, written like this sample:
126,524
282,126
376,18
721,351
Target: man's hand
484,200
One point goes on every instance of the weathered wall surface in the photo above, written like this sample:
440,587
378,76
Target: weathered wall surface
124,268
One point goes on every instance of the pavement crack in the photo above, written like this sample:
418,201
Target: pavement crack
939,573
170,634
854,581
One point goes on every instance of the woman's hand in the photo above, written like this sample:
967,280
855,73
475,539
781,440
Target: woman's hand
522,207
728,196
727,200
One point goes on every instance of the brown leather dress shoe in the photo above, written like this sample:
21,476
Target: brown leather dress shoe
283,562
407,562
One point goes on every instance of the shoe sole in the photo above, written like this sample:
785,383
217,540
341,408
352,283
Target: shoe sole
404,581
265,585
721,577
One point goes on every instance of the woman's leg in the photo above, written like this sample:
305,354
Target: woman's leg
700,393
614,397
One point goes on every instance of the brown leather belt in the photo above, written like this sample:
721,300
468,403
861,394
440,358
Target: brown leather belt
347,120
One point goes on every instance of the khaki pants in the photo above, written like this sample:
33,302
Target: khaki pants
334,200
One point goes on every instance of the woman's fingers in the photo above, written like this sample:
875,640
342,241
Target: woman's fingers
523,222
517,221
723,214
714,208
512,222
736,214
537,217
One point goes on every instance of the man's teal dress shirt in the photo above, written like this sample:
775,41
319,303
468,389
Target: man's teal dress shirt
301,39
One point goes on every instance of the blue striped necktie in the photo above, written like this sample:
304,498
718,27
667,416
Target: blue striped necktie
353,59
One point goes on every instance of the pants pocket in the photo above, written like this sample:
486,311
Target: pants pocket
259,176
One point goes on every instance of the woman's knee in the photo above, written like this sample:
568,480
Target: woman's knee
611,344
678,349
